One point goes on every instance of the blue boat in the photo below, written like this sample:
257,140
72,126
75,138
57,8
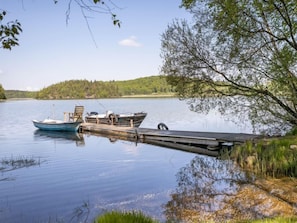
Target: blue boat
57,125
71,123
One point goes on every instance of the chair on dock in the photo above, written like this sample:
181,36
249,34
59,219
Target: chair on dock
77,115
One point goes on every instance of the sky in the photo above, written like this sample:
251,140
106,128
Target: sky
52,50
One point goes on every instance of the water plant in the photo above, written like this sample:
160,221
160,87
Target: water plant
13,163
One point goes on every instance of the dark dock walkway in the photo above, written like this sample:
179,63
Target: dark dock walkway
208,143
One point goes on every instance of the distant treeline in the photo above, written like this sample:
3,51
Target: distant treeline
20,94
77,89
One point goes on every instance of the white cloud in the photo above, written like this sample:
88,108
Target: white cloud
131,41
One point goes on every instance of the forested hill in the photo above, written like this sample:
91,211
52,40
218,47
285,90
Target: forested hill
74,89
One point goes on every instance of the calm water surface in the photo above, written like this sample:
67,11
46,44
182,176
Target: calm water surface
73,178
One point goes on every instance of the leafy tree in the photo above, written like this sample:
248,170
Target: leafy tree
10,31
239,57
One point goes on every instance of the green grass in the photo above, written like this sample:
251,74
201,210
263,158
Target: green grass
273,220
138,217
124,217
276,157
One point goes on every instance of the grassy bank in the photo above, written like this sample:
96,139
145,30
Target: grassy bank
275,157
138,217
273,220
124,217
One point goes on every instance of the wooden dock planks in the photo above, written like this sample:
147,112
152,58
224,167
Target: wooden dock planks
208,143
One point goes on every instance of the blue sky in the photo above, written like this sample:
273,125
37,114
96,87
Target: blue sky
51,51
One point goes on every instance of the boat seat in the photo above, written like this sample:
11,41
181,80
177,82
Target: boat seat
77,115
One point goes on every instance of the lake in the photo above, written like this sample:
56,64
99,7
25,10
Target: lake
49,177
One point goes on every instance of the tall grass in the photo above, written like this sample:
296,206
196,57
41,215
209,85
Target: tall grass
273,220
138,217
274,157
124,217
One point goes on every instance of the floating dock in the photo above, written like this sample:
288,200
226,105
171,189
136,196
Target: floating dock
207,143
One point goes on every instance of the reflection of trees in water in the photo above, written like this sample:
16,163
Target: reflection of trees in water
217,190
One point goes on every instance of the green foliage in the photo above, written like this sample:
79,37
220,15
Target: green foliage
9,32
2,93
138,217
276,157
145,86
245,47
292,132
74,89
125,217
188,3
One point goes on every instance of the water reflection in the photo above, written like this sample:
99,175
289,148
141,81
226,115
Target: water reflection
64,137
210,189
198,149
111,176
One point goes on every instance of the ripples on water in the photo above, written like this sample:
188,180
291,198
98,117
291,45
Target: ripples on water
81,176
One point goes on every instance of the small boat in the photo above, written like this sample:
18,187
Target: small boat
122,120
71,123
57,125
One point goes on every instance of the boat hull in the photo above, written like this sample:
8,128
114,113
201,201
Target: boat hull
57,126
122,120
